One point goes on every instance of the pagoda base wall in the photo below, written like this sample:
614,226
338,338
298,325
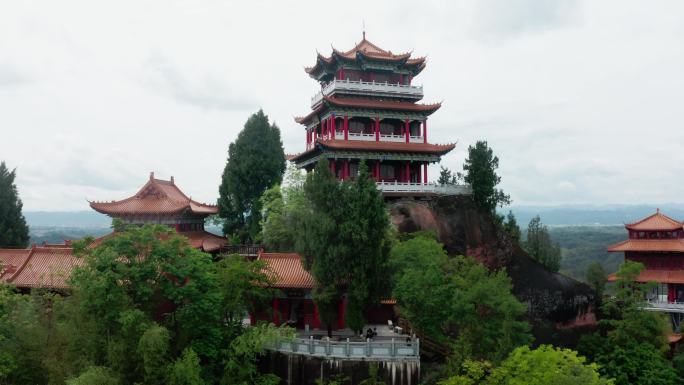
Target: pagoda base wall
297,369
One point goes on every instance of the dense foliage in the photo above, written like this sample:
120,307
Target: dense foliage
480,172
457,301
13,229
524,366
343,239
631,343
145,308
284,208
540,246
256,162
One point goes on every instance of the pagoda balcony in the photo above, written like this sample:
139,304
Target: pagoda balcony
378,349
358,87
383,138
391,188
664,306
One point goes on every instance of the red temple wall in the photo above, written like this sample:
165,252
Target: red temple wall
659,261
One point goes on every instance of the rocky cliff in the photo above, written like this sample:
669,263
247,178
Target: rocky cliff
558,306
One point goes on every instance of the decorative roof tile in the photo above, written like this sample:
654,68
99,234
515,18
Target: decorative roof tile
155,197
48,267
361,145
287,270
655,222
657,245
661,276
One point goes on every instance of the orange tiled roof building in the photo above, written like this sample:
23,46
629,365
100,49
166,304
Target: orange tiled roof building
368,110
162,202
657,241
158,201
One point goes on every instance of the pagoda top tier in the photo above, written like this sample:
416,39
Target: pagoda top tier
156,197
655,222
365,56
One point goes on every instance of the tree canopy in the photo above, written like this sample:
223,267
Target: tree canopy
540,246
457,300
256,162
343,240
284,208
13,229
145,307
480,172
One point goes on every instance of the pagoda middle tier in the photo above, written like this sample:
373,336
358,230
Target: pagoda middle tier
368,110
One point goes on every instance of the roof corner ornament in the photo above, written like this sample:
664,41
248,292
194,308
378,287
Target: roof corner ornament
363,28
151,175
172,182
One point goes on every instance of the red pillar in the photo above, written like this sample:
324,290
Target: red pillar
425,130
377,171
671,292
407,173
340,314
345,170
425,172
332,126
407,130
333,167
377,129
276,315
346,127
316,323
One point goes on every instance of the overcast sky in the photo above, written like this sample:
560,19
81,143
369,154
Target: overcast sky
583,101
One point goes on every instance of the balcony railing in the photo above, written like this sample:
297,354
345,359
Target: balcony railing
381,349
664,306
383,137
424,188
373,88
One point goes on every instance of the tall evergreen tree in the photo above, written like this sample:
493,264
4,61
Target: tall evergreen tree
511,227
540,246
13,229
480,172
256,162
343,241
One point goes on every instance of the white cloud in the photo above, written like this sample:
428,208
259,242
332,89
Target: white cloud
94,96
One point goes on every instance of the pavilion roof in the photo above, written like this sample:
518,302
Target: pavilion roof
655,245
287,270
38,266
660,276
655,222
366,49
157,196
202,240
374,104
371,146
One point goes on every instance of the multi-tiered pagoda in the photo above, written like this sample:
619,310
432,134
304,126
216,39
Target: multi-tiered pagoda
657,241
162,202
368,110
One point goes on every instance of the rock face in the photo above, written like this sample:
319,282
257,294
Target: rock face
558,306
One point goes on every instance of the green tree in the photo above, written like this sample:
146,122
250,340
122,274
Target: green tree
95,375
480,172
153,348
284,208
458,301
186,370
446,176
256,162
540,246
13,229
343,239
631,343
546,365
243,285
596,278
511,227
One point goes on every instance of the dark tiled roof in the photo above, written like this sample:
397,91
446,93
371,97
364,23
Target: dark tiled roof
287,270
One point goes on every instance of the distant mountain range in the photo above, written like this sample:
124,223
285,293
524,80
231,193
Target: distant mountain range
587,215
567,215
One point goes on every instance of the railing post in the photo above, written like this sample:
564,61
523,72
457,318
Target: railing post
368,348
327,347
393,351
310,344
416,349
347,351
